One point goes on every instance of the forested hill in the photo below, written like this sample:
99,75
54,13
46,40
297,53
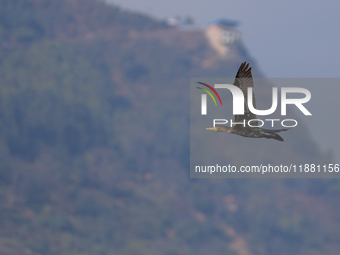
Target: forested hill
26,20
94,145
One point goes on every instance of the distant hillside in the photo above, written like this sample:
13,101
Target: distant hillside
26,21
94,141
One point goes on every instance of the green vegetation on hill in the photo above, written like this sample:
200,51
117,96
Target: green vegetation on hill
94,145
28,21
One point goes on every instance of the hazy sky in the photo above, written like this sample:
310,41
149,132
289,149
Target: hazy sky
289,39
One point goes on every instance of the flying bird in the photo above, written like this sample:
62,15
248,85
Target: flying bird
244,80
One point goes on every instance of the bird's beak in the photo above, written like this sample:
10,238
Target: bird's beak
212,128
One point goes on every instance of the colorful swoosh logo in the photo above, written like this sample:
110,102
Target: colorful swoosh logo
213,90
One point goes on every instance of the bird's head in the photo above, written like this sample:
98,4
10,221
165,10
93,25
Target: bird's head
221,128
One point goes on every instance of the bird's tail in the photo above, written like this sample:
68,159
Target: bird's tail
273,136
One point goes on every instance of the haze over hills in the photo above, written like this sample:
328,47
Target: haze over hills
94,118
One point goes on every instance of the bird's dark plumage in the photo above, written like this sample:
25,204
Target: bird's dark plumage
244,80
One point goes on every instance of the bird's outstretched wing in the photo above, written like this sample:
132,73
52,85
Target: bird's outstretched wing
244,80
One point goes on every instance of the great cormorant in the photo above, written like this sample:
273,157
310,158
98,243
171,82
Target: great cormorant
244,80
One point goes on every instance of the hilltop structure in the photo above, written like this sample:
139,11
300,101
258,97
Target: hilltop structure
222,35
